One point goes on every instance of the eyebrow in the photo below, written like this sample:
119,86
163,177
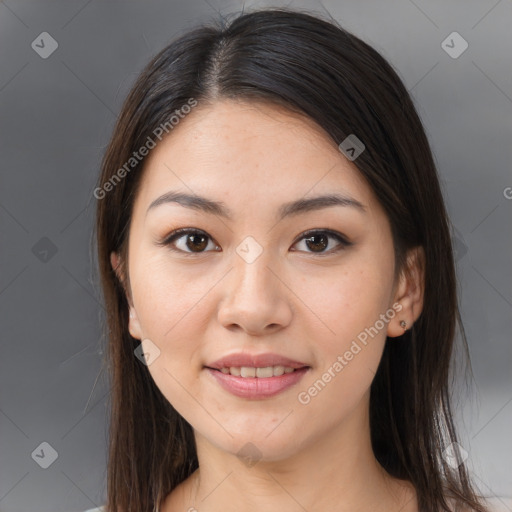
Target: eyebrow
218,208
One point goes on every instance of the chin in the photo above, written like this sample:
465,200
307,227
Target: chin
253,446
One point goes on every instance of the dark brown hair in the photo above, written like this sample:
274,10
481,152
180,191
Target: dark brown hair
315,67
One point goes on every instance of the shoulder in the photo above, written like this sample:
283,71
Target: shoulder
98,509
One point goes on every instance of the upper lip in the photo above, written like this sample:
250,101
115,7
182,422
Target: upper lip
254,360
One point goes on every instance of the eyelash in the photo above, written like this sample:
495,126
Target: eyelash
179,233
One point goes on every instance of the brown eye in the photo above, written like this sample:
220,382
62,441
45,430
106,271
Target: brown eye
194,241
188,240
317,241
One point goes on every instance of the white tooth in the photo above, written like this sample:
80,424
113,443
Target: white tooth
247,371
278,370
268,371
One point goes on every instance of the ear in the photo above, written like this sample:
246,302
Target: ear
133,322
409,293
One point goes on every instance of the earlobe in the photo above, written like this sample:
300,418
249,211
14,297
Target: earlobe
134,324
409,293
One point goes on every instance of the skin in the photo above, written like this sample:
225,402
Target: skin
197,308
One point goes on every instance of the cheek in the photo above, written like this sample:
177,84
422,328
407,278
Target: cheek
353,307
166,300
346,301
172,313
348,357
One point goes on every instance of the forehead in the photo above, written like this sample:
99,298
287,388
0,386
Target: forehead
245,151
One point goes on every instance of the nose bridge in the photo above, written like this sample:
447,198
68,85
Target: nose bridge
253,297
251,273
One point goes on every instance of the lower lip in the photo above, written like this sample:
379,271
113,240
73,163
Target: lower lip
257,388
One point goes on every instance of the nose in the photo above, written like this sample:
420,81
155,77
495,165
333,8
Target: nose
255,297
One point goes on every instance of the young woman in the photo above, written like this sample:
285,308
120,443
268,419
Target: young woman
277,269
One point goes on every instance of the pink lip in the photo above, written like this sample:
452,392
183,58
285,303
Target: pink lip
257,388
255,361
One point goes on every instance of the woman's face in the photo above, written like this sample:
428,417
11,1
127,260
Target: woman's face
252,283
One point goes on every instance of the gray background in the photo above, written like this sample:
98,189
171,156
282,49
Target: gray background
56,116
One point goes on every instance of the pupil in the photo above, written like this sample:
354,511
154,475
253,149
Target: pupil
311,238
192,237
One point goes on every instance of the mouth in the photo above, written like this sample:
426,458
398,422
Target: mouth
256,383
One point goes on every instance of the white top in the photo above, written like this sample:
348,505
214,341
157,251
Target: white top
100,509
